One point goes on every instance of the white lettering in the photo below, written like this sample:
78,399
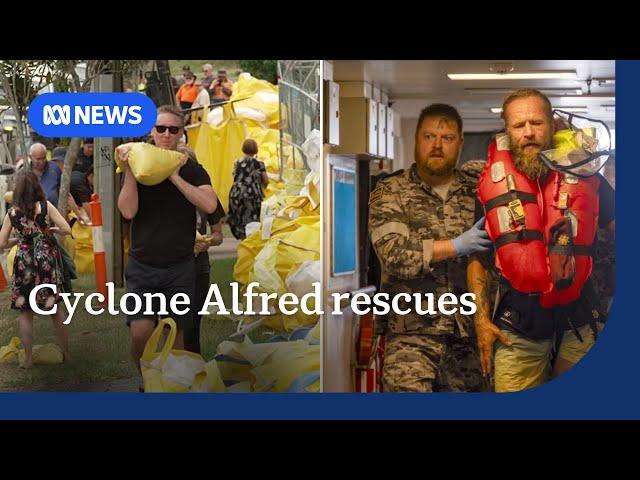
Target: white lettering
214,291
71,307
249,296
56,114
265,302
179,299
149,304
97,111
396,299
316,295
136,118
431,310
32,299
116,115
337,300
377,300
471,304
136,300
284,301
89,306
447,299
360,299
84,112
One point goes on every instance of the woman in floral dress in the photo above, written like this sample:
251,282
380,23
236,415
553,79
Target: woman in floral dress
245,198
37,258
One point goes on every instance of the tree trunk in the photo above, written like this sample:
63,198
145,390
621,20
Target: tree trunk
73,149
16,109
65,181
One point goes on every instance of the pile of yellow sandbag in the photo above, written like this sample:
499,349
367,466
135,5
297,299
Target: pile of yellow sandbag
305,201
276,255
172,370
217,142
282,366
291,365
268,140
47,354
256,101
217,147
271,259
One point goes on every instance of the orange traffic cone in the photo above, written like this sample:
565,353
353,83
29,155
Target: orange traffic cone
3,280
99,256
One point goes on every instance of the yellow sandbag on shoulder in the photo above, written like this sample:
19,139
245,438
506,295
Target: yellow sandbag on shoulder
149,164
47,354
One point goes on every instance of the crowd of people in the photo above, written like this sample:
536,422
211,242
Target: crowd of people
160,259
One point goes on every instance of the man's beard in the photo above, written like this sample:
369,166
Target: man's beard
528,162
439,167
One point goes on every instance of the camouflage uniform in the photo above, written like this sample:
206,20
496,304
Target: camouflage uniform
604,269
424,352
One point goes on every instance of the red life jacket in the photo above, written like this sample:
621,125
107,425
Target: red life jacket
543,233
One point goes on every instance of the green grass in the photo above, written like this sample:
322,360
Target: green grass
100,345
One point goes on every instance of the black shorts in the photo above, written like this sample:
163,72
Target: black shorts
178,278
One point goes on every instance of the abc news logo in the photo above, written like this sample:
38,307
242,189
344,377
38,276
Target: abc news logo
92,114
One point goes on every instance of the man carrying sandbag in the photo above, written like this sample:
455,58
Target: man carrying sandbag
163,230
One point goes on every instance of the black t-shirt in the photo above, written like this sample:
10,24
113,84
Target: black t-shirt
80,189
83,163
202,259
164,229
536,322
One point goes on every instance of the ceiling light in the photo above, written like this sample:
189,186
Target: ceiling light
566,109
549,75
572,109
605,81
568,92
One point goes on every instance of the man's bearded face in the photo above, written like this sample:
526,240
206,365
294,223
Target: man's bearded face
530,131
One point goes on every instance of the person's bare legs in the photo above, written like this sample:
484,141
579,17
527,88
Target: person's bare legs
26,332
60,331
179,343
140,331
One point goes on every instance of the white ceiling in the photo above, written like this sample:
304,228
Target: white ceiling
413,84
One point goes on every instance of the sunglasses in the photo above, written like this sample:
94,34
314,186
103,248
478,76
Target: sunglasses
163,128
